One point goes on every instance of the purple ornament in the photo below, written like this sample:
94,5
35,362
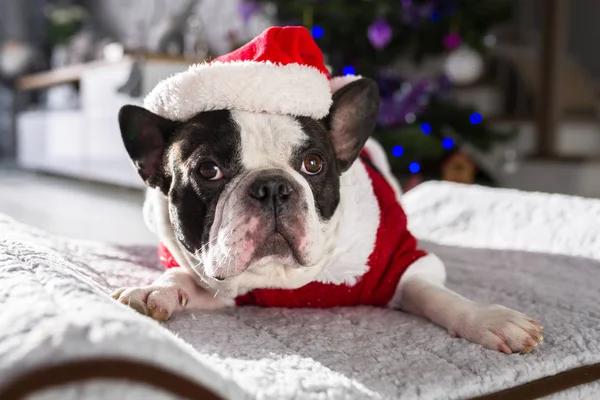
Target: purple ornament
379,33
405,105
247,9
452,40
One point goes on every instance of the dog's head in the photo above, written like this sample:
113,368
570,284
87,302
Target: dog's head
249,191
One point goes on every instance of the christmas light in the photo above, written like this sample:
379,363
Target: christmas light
426,128
348,70
397,151
475,118
447,143
317,32
436,16
414,167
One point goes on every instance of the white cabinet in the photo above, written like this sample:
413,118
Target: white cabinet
51,141
31,143
103,151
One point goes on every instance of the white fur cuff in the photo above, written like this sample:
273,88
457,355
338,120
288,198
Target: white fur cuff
291,89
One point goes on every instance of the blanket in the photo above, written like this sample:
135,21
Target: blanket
532,252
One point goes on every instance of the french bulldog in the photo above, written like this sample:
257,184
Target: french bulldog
285,211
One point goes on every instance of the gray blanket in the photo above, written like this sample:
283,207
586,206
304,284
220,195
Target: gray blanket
54,307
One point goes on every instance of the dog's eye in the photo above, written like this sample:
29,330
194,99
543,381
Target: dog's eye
312,165
210,171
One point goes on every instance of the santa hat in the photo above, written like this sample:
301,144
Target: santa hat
281,71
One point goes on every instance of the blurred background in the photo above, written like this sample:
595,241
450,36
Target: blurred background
493,92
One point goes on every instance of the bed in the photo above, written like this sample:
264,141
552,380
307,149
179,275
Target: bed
63,337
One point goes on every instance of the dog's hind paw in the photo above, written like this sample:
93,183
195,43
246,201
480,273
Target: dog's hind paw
499,328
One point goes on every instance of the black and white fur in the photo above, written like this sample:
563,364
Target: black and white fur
322,228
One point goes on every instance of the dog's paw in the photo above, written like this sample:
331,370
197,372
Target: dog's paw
499,328
158,302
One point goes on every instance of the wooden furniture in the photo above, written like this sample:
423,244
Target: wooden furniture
43,80
549,112
74,73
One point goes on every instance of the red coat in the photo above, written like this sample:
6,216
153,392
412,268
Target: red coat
395,250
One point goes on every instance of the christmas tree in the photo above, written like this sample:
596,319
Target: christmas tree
419,124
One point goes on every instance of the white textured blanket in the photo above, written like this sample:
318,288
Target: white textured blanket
532,252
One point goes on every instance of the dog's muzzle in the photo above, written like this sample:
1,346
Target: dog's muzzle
265,221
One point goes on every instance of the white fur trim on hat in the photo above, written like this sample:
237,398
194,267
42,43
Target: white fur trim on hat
291,89
339,82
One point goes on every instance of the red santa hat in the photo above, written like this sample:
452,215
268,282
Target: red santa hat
281,71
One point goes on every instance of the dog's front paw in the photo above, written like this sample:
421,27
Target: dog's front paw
158,302
499,328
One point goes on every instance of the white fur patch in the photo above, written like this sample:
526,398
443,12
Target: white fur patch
267,140
358,215
264,87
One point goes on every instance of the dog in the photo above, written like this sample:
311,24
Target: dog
285,207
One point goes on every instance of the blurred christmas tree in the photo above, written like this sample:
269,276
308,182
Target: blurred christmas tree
419,124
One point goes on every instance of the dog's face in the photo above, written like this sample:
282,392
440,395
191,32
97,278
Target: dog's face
251,190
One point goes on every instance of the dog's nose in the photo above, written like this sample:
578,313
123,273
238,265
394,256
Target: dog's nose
271,189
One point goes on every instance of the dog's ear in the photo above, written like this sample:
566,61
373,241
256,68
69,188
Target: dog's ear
352,119
146,136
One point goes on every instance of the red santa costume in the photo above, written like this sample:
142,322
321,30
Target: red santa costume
289,57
